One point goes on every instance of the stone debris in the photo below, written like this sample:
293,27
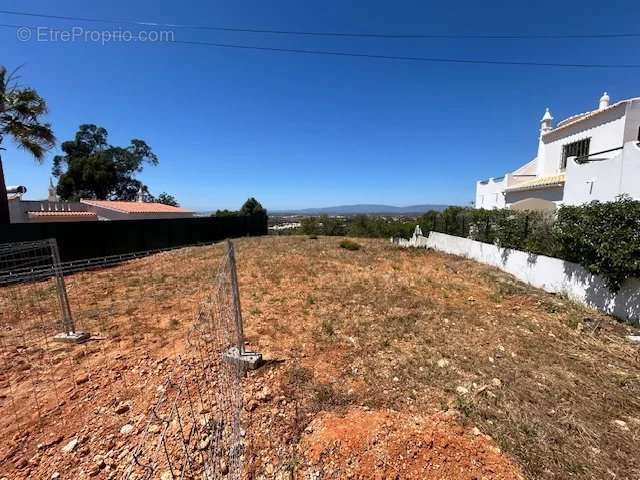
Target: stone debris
122,408
154,428
126,429
621,424
71,446
204,444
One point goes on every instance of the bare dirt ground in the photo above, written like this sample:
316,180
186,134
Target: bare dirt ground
382,363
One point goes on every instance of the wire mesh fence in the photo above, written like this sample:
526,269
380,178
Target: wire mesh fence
28,261
34,308
139,307
193,430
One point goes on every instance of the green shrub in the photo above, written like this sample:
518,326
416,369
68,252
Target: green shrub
602,237
332,226
323,225
310,226
350,245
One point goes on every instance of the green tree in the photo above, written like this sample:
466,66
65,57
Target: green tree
332,226
310,226
361,226
91,168
252,207
167,199
226,213
428,220
21,109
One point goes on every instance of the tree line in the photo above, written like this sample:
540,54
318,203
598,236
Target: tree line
358,226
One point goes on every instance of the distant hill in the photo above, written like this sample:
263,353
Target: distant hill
368,209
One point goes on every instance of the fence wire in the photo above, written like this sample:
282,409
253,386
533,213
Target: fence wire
193,429
32,310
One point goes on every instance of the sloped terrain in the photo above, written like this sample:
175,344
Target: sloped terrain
381,363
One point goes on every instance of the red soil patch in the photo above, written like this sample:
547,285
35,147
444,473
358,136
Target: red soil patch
383,444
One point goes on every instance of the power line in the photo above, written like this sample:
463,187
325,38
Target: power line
374,56
463,36
408,58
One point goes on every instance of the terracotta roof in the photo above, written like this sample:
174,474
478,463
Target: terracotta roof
135,207
540,182
61,214
583,116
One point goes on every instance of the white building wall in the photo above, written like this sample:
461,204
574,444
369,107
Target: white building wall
604,180
605,129
490,193
632,122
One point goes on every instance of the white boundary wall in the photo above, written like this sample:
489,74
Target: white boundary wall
550,274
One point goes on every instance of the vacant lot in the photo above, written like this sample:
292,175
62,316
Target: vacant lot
383,363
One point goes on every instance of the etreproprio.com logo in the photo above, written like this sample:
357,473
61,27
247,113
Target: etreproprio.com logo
81,34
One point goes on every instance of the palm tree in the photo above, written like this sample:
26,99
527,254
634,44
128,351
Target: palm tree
20,112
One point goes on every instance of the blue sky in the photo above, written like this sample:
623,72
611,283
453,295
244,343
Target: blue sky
300,130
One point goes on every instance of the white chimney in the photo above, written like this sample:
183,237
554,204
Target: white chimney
53,194
545,123
604,101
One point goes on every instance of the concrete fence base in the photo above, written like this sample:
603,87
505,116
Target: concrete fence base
551,274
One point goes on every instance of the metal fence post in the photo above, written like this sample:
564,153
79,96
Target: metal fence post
236,297
68,324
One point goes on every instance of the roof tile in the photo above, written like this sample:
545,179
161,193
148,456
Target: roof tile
61,214
135,207
540,182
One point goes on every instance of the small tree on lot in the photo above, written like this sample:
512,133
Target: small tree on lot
21,109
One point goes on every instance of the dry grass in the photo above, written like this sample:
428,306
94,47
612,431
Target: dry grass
404,329
381,329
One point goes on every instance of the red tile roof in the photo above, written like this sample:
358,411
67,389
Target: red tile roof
135,207
61,214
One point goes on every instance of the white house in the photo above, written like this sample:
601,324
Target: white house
590,156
